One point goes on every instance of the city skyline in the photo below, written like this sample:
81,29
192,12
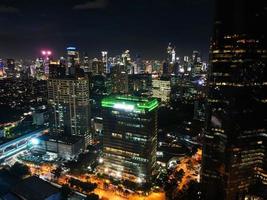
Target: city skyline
133,100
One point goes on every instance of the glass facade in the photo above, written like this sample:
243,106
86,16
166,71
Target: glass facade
234,151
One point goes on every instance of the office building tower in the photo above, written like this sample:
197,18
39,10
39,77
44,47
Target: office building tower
140,84
119,79
10,67
126,59
139,65
130,138
46,55
73,58
68,100
105,61
86,63
171,54
161,89
235,139
97,67
127,62
165,68
2,70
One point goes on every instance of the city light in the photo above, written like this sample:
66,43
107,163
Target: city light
129,103
46,52
71,48
200,82
118,174
100,160
94,120
139,180
35,141
124,106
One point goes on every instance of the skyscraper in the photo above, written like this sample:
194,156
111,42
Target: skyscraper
234,150
10,67
105,61
2,71
68,99
73,58
119,79
130,137
161,89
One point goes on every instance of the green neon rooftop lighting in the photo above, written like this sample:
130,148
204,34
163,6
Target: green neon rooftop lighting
130,103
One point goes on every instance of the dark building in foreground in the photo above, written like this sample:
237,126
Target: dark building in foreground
235,140
130,137
34,188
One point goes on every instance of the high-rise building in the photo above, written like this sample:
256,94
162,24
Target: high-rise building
235,138
97,67
10,65
171,54
130,137
119,79
68,100
73,58
2,71
46,55
85,63
140,84
105,61
161,89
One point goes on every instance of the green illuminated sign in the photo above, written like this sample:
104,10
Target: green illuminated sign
130,103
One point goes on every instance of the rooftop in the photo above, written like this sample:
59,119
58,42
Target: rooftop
69,139
130,103
34,188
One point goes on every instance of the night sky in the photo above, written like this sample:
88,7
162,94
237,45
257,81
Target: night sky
144,27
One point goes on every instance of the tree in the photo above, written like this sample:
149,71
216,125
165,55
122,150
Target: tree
65,192
57,172
179,175
92,196
87,187
193,192
20,170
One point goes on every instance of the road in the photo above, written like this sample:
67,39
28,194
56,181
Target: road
44,171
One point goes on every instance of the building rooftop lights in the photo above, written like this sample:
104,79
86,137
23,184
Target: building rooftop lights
71,48
130,103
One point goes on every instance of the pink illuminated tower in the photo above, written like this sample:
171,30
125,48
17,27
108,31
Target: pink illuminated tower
46,56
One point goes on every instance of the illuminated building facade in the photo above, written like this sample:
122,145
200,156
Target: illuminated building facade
85,63
73,58
68,99
130,137
10,64
2,71
235,139
161,89
105,61
38,69
46,58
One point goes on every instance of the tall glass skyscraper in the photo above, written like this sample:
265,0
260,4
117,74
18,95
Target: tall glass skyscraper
235,139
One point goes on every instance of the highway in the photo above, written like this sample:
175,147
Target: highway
19,144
